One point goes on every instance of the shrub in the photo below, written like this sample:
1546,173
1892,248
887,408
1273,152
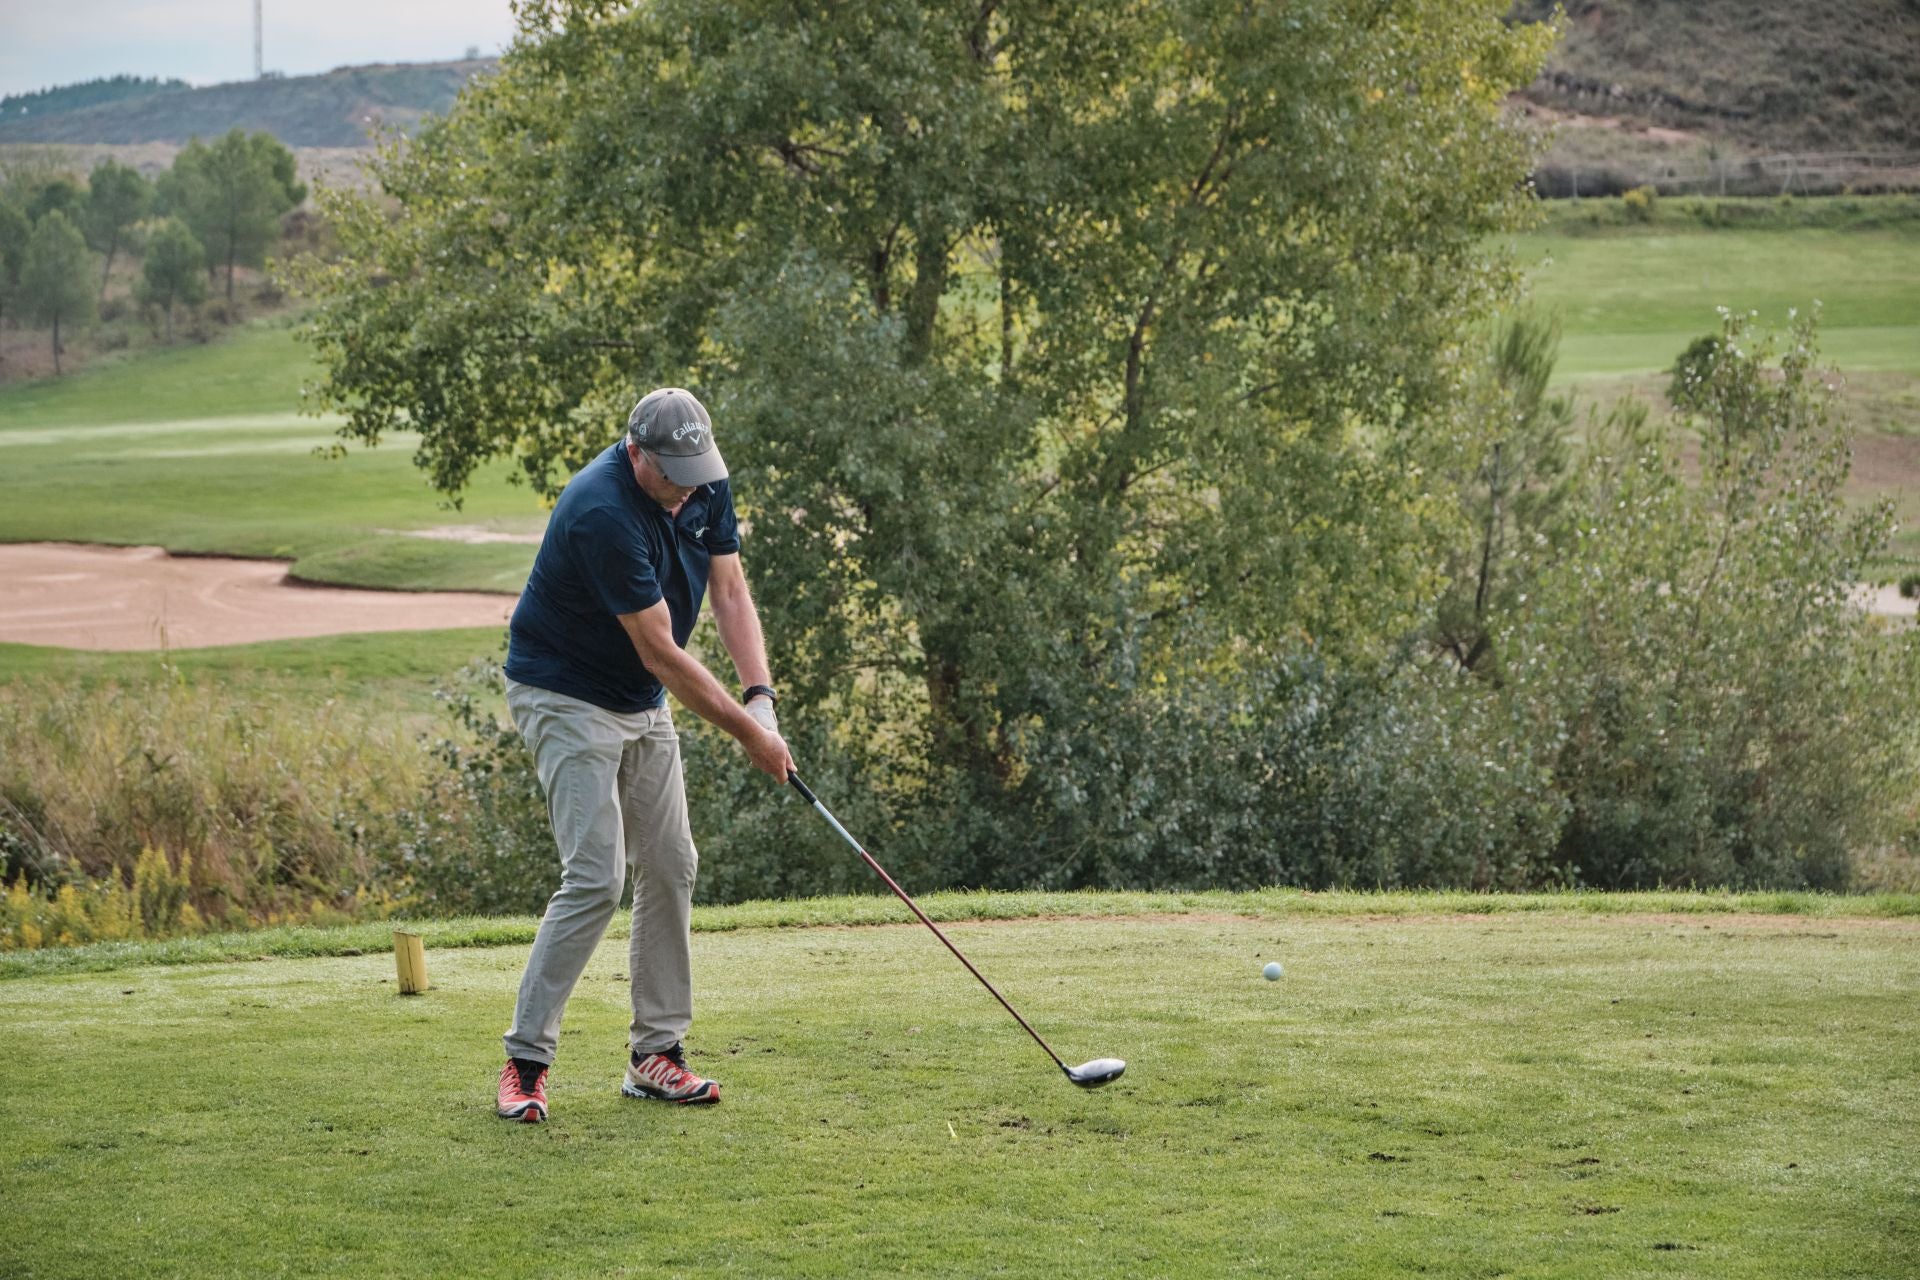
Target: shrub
154,905
475,838
1297,774
1721,712
1910,586
1292,776
1640,203
1690,371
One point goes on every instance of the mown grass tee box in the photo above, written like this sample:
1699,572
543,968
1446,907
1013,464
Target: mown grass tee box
1549,1093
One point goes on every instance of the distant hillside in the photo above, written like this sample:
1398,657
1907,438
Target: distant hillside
1839,75
1645,88
338,109
89,93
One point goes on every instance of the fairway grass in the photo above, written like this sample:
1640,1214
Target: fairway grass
202,448
256,369
398,669
1556,1093
1630,301
254,486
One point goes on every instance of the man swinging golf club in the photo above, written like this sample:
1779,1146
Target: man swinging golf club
635,541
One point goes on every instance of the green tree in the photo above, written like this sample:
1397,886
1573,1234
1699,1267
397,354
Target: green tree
173,271
1062,348
231,194
117,197
15,231
56,191
1692,371
1512,491
56,277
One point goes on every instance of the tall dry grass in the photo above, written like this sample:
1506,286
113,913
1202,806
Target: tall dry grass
267,800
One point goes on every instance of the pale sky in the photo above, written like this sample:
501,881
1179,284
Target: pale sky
44,43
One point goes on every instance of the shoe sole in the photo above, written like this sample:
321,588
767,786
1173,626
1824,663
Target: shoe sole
533,1113
630,1090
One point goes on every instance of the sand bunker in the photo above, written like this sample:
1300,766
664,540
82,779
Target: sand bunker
82,597
1886,601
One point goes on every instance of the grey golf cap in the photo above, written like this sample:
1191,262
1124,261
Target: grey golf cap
674,427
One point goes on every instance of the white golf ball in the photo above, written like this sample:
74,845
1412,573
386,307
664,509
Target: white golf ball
1272,971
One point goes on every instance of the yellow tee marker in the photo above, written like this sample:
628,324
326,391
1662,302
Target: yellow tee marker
410,959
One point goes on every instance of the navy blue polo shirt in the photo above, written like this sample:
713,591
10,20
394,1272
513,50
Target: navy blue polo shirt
610,549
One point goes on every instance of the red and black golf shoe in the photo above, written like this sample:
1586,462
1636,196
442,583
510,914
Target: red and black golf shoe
523,1091
663,1077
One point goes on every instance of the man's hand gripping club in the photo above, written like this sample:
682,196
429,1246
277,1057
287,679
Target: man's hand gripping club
651,630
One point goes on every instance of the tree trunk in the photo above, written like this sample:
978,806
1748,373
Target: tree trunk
56,344
169,315
229,275
1006,320
923,301
108,269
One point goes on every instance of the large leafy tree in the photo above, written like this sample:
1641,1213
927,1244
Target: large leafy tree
117,197
1061,348
231,194
56,277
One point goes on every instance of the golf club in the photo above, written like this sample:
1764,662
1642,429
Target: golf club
1088,1075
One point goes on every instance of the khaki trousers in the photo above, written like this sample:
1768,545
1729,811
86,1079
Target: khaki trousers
617,800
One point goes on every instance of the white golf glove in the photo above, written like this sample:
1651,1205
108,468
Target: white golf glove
761,709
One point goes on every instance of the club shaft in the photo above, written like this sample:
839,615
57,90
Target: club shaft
914,907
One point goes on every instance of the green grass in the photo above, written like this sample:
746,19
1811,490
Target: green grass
255,370
201,449
1630,302
399,669
1556,1093
1612,215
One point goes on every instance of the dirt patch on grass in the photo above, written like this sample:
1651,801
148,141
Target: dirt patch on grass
1885,462
139,598
1612,124
468,534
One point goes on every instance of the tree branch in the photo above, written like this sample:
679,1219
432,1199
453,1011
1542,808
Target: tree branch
977,34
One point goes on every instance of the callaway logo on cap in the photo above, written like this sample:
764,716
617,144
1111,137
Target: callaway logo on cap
674,427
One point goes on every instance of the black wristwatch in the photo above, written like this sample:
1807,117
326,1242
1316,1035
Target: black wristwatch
755,690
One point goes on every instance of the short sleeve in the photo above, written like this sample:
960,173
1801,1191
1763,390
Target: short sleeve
614,561
722,537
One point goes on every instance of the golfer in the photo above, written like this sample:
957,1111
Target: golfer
597,641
